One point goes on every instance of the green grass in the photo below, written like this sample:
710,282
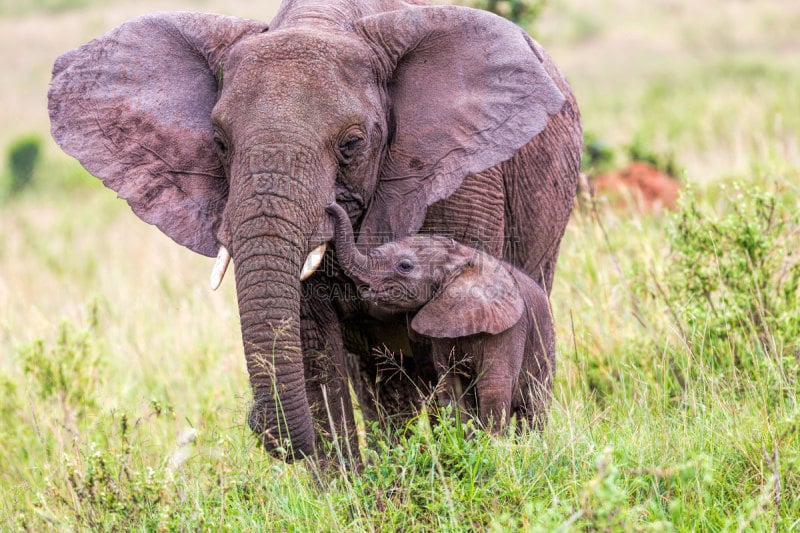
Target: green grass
123,388
125,392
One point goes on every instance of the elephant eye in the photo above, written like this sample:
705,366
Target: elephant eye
405,266
349,147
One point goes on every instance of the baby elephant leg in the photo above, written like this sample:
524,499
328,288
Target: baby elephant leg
497,376
449,389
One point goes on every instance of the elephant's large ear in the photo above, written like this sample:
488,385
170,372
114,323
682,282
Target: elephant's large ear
134,107
467,89
483,298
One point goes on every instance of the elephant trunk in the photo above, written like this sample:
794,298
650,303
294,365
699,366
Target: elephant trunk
268,252
355,264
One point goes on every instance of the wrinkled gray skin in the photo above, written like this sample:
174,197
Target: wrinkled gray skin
224,131
488,323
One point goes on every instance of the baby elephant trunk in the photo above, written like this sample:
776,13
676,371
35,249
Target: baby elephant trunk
355,264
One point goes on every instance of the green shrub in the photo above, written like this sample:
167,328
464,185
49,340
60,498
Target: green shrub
638,151
519,11
107,491
67,372
105,484
598,157
731,284
24,155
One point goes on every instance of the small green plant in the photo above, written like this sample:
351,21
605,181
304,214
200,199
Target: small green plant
66,372
107,490
23,157
519,11
9,406
639,151
598,157
104,487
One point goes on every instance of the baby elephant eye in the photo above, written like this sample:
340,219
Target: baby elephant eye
220,146
405,266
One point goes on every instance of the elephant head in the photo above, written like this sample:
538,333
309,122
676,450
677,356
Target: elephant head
457,290
232,137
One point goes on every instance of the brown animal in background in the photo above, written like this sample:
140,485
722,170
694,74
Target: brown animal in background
640,186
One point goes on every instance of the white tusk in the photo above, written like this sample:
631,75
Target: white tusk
223,259
313,261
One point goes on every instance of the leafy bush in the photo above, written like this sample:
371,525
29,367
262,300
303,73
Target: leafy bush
638,151
105,490
598,157
731,284
519,11
67,372
23,157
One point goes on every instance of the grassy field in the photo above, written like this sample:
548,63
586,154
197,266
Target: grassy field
123,389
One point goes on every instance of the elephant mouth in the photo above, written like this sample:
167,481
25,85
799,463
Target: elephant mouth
389,299
369,294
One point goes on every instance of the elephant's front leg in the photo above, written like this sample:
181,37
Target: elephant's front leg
326,374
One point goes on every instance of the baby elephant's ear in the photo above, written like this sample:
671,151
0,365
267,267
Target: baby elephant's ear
483,298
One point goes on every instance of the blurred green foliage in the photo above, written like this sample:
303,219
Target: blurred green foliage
65,374
24,155
523,12
639,151
598,156
15,7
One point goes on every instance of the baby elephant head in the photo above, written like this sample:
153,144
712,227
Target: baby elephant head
457,290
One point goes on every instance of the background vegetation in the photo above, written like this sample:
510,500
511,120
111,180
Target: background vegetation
123,390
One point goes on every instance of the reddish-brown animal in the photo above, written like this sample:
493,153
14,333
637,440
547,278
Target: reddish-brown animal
640,186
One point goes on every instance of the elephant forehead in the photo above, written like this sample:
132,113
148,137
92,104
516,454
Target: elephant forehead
430,244
422,248
329,55
298,75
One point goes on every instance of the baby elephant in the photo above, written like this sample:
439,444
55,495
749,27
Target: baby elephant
485,319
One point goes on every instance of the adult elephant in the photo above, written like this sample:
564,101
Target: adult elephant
232,137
